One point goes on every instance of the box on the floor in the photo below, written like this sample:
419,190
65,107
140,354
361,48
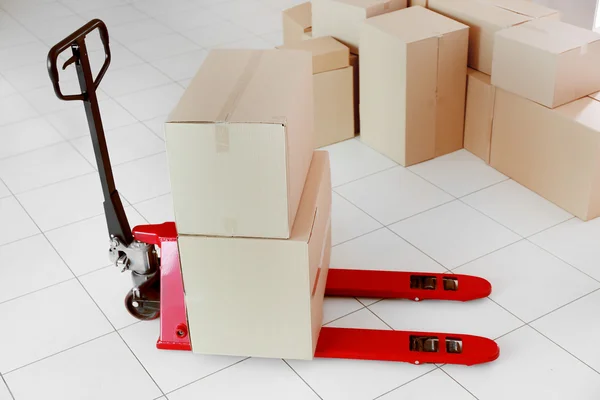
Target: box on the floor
479,114
333,89
549,62
297,23
239,143
553,152
422,3
342,19
485,18
354,62
262,297
413,72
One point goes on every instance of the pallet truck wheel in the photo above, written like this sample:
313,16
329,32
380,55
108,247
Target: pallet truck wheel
140,312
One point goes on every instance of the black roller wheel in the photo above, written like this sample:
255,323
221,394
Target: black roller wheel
140,312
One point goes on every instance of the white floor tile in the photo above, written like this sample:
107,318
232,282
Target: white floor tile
216,34
458,173
53,320
4,393
15,109
157,210
187,18
4,192
125,144
121,57
29,265
101,369
23,10
170,369
133,79
29,77
6,89
81,6
260,23
337,307
478,317
73,123
382,250
454,234
42,167
275,38
349,222
108,287
362,319
73,200
157,125
152,103
14,216
517,208
255,43
163,47
114,16
183,66
351,160
573,326
44,100
393,194
27,135
14,35
575,242
156,8
528,281
337,379
139,30
51,31
436,385
84,245
255,379
529,367
22,55
143,179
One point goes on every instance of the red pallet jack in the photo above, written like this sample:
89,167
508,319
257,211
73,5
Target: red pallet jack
157,280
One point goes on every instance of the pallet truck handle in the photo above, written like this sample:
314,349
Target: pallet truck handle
77,40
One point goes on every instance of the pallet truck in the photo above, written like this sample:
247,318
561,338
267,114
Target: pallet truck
150,254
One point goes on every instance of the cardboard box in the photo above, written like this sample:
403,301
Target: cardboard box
553,152
485,18
342,19
262,297
297,23
479,114
333,83
549,62
356,90
239,143
422,3
413,73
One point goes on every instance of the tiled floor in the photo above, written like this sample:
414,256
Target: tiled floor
64,333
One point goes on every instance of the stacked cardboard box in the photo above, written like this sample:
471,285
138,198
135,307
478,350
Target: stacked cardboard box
546,131
297,23
333,89
252,202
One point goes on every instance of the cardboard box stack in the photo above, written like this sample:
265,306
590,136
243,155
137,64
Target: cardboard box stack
297,23
333,89
413,69
252,203
479,114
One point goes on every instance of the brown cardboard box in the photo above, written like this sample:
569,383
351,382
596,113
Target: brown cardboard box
354,63
262,297
342,19
479,114
485,18
422,3
413,72
297,23
333,83
549,62
554,152
239,143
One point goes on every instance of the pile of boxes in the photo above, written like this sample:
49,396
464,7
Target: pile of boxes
252,202
505,79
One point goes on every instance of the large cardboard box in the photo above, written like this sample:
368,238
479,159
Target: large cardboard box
485,18
342,19
554,152
297,23
262,297
479,114
333,83
413,72
239,143
547,61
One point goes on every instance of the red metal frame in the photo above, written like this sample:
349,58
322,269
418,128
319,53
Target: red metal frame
363,344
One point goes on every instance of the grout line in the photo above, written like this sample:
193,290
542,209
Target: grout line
7,387
37,290
453,269
491,219
506,309
209,375
345,315
356,237
451,377
563,306
422,212
421,251
483,188
509,332
362,177
550,227
406,383
303,380
378,317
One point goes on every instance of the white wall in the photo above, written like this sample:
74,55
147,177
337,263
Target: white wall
577,12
